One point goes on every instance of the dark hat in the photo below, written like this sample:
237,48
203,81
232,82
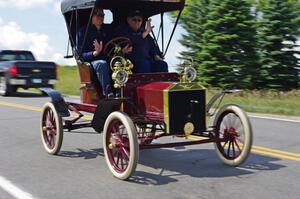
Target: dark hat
98,11
135,13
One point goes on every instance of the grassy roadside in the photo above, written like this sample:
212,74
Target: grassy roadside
281,103
68,81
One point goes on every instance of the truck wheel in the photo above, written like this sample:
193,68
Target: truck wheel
5,88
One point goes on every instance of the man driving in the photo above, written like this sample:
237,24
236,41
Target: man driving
145,54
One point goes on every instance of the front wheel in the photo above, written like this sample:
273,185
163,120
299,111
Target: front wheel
51,129
120,145
234,133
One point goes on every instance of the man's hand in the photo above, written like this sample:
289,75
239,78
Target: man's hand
98,47
148,28
158,58
127,49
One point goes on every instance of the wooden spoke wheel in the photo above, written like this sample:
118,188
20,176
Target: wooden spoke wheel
234,129
120,144
51,129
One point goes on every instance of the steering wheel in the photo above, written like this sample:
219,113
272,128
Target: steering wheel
115,46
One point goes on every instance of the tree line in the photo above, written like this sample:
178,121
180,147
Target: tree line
249,44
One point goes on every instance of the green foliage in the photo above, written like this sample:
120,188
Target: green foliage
228,57
222,37
192,20
278,29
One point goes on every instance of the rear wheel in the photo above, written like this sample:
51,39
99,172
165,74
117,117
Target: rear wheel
120,145
5,88
234,129
51,129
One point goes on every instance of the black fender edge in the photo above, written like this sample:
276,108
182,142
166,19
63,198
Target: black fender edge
58,101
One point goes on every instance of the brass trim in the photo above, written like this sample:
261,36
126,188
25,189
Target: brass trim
166,110
186,86
177,86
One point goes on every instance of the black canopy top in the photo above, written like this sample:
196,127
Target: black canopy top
149,7
77,13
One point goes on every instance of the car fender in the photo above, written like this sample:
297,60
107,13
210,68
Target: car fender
58,101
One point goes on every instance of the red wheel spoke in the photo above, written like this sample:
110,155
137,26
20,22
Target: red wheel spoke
126,153
233,150
224,144
228,149
51,116
51,142
48,139
114,153
48,120
240,150
122,163
118,158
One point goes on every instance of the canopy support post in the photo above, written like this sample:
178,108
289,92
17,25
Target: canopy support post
70,40
162,31
172,34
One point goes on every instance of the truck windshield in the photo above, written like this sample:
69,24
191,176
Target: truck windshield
16,55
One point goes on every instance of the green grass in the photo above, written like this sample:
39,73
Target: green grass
68,80
283,103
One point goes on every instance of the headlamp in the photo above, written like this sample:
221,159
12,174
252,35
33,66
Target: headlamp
189,74
121,68
120,77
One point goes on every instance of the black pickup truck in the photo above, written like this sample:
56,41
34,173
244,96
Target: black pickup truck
19,69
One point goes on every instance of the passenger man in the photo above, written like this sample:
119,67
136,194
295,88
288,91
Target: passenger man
97,35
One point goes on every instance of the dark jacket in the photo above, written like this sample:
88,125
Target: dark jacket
142,48
86,51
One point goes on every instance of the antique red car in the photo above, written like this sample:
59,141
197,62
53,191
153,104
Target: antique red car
151,105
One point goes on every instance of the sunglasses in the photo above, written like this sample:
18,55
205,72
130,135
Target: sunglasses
100,15
137,19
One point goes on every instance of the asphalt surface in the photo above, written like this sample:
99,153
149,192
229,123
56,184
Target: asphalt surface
80,171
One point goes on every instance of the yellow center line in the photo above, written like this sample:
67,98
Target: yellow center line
275,154
34,108
255,149
21,106
259,148
263,151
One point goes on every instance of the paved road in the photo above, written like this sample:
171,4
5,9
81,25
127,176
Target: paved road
80,171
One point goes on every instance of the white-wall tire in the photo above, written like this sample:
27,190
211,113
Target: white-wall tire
232,124
120,145
51,129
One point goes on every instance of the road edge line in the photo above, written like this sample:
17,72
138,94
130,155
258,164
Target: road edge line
13,190
273,118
